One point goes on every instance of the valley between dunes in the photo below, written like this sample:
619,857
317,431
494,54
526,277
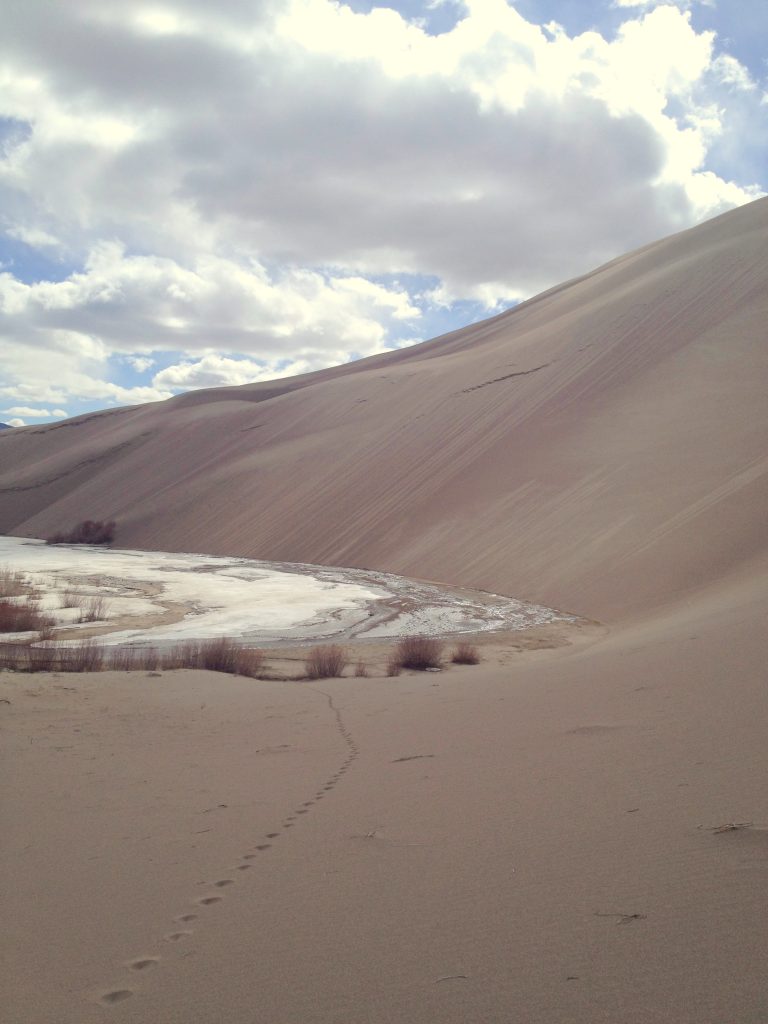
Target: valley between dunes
576,830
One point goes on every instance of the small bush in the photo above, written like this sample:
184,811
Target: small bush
86,656
394,668
361,669
93,609
419,652
12,584
89,531
327,662
71,599
22,618
465,653
249,662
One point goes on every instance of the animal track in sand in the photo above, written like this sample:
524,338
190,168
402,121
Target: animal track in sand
143,963
116,996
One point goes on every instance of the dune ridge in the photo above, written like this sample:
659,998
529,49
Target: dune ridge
611,428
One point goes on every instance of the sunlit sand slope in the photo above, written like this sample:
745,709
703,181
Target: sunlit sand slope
602,448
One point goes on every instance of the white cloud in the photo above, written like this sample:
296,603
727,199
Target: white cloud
140,363
16,422
239,179
25,410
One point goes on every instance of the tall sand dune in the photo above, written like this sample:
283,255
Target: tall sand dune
602,447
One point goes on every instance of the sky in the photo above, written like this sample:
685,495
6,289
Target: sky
196,194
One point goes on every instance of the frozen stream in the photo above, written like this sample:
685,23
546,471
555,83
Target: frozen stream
159,598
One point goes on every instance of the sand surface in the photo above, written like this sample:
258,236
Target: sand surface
574,831
530,839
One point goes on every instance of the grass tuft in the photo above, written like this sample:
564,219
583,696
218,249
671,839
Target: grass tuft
419,652
326,662
465,653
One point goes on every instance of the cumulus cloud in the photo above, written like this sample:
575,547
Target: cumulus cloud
248,184
24,410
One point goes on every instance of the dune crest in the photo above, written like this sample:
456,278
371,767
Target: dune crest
601,447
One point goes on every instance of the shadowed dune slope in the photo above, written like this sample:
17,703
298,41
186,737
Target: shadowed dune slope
601,448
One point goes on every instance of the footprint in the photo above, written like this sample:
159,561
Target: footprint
186,917
264,846
143,964
175,936
117,996
243,867
289,824
272,835
206,901
249,856
224,881
302,812
307,803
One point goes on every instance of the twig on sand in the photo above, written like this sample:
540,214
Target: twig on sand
451,977
732,826
623,918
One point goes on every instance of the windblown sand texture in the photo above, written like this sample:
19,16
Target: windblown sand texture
574,831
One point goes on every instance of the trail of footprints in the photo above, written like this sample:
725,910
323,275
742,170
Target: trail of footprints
144,963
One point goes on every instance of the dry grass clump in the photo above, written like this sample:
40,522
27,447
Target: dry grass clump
465,653
326,662
394,668
71,599
361,669
89,531
217,655
419,652
132,659
22,618
93,609
12,583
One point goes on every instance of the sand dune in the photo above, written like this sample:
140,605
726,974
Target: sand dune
610,430
573,831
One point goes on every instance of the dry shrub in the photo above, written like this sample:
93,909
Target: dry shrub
12,583
326,662
419,652
465,653
394,668
217,655
132,659
361,669
71,599
42,659
86,656
21,618
93,609
89,531
250,662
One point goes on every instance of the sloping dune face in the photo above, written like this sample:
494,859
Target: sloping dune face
602,448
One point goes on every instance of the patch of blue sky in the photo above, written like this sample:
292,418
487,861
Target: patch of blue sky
12,133
30,264
434,18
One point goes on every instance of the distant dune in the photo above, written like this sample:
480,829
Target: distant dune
602,447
